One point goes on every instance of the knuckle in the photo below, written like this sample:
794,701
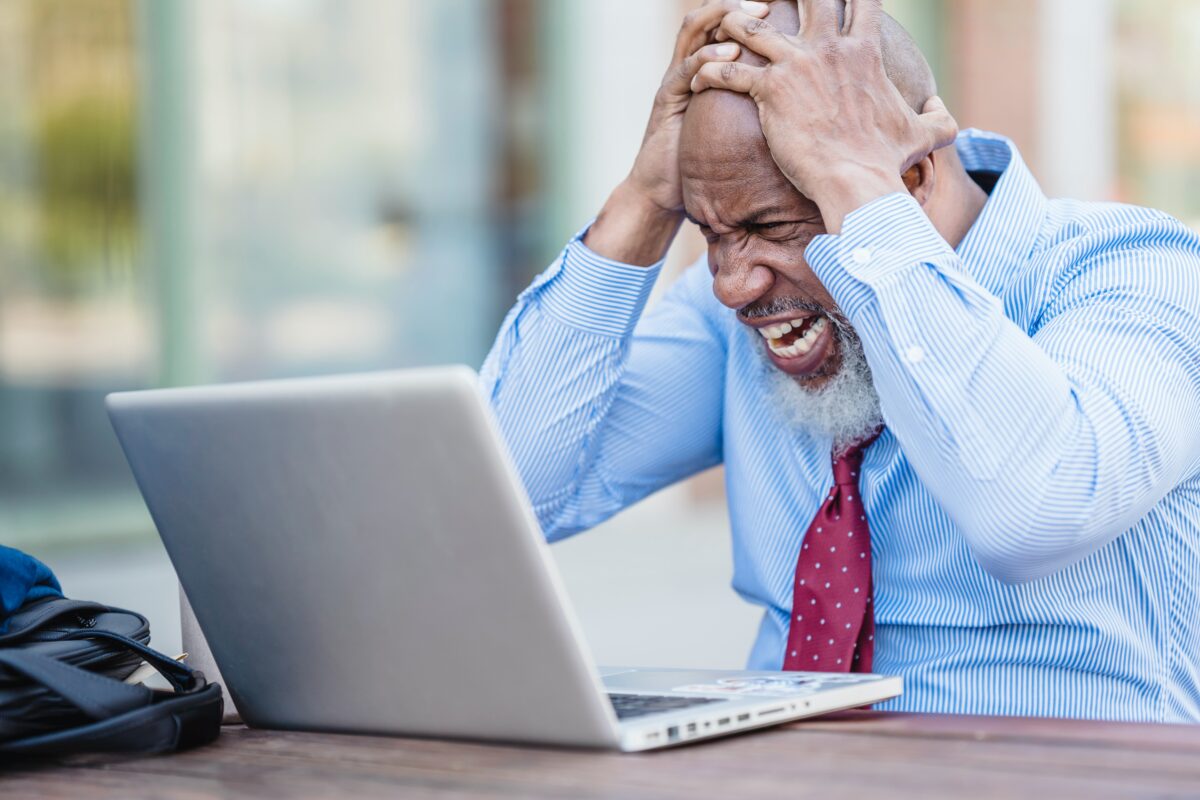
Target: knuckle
689,20
756,26
866,50
729,71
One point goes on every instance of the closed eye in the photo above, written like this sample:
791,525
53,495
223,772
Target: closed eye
784,230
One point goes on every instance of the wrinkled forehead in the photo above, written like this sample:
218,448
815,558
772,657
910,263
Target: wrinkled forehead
721,125
726,167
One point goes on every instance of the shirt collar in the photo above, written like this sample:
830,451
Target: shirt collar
1006,231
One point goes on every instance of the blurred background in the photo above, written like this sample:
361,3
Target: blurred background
233,189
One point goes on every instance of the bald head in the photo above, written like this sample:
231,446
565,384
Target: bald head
716,111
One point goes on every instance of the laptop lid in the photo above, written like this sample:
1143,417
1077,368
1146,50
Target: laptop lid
362,557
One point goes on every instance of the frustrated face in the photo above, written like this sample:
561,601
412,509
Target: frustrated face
757,227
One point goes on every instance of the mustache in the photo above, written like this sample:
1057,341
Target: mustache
782,305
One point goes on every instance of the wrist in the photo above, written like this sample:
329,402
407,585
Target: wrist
633,229
848,190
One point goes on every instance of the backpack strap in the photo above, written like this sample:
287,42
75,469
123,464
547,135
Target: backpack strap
33,616
97,696
181,677
125,718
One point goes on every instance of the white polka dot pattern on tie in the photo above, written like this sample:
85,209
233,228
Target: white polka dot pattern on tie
839,596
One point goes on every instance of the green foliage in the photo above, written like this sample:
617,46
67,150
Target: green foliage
87,181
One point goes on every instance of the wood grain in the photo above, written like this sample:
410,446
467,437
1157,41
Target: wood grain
850,755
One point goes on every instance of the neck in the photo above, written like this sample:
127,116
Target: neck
958,203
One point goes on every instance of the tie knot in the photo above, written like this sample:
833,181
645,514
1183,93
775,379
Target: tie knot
847,462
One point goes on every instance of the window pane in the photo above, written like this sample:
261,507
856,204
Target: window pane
74,317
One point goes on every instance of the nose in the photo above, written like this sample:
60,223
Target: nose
737,280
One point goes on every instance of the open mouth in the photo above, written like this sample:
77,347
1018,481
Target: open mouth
795,338
799,347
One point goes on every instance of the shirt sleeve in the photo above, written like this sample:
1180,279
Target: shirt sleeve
1046,443
600,405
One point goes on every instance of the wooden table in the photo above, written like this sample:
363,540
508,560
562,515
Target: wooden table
857,754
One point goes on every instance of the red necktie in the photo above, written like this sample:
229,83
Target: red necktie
833,624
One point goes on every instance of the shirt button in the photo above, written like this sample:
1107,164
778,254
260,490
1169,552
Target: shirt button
861,255
914,355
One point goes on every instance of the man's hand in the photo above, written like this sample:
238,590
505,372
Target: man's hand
836,126
642,216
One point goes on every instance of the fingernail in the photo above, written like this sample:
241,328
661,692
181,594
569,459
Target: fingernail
754,7
726,50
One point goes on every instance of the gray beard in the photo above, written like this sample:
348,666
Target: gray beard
845,409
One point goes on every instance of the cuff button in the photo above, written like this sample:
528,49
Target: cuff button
861,255
914,355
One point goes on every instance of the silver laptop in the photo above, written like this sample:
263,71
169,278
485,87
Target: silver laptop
362,557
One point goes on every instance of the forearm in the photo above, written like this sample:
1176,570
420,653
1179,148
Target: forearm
1039,459
554,368
632,230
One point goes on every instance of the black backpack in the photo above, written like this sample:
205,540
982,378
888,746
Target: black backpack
62,669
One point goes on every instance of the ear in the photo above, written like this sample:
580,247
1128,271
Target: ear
920,179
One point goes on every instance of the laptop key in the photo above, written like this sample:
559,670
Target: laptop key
629,706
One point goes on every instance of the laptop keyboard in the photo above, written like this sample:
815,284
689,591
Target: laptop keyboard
639,705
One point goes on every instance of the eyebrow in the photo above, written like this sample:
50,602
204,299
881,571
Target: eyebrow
758,216
754,219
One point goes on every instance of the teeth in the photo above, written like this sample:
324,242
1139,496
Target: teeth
791,351
780,330
802,345
776,331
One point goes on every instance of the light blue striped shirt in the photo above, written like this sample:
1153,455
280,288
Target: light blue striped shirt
1034,502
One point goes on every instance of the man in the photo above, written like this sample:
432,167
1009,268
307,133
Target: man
957,418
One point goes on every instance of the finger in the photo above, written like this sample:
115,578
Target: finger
758,35
700,23
940,127
679,82
864,18
820,17
731,75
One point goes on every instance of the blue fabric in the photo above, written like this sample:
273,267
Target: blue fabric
1035,500
23,579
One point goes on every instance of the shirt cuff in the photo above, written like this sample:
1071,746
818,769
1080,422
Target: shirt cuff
879,240
596,294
